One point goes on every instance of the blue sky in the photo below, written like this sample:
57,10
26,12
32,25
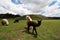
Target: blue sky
49,8
16,2
52,3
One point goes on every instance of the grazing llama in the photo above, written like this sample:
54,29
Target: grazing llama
16,20
4,22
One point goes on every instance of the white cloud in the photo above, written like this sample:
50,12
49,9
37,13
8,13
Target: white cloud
52,11
34,5
3,11
8,5
30,7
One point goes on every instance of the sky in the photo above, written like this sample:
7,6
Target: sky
48,8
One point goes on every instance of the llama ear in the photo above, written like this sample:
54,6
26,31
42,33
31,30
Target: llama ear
40,19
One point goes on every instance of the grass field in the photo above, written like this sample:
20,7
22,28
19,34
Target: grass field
49,30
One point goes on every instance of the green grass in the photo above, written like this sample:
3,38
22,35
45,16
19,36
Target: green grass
49,30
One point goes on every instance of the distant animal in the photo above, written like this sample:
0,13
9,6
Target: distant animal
5,22
16,20
34,25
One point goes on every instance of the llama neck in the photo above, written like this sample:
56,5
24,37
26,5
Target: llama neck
39,23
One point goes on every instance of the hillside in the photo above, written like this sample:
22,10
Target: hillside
34,17
53,17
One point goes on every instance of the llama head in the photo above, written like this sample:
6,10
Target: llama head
28,18
39,21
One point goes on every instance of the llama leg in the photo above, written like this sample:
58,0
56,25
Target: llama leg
28,28
34,28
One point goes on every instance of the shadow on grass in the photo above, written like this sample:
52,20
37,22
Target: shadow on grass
34,35
3,25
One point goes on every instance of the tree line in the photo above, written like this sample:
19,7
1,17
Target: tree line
7,15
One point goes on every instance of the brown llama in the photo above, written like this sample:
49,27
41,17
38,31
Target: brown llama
34,25
16,20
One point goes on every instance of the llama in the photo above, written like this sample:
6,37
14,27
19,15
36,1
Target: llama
30,22
16,20
34,25
5,22
28,18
